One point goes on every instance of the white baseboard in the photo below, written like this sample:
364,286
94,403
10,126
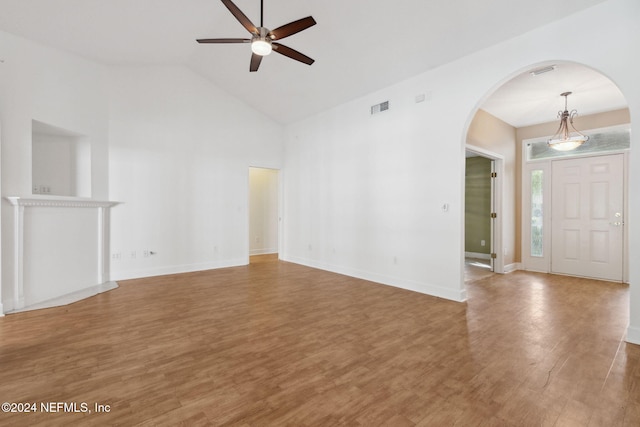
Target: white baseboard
512,267
477,255
69,298
263,251
423,288
175,269
633,335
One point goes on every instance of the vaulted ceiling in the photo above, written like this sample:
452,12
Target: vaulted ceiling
359,45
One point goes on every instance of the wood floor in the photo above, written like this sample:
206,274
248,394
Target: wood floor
475,270
279,344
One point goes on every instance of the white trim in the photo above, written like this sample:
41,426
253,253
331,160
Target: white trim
543,264
280,213
510,268
1,284
573,155
411,285
633,335
483,152
535,263
69,298
176,269
280,225
59,202
498,196
266,251
18,256
625,236
20,204
477,255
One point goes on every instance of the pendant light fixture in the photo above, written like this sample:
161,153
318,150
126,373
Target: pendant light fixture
566,139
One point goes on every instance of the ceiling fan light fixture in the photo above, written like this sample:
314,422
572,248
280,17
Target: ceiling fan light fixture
566,139
263,40
261,46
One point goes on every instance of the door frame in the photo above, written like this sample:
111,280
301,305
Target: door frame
280,202
543,264
1,284
617,273
497,245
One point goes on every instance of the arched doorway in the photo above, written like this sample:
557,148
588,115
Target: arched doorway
523,108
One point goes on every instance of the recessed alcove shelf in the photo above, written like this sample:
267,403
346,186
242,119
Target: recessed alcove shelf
60,161
61,247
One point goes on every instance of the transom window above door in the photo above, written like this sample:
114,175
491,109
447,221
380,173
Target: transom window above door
614,138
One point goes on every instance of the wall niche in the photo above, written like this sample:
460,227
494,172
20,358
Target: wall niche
61,161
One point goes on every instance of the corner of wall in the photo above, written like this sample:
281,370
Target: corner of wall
633,335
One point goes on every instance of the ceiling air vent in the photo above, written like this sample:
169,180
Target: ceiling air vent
378,108
543,70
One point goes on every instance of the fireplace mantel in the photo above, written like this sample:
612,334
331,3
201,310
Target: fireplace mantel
59,202
96,244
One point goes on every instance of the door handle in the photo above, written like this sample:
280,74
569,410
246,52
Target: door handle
619,222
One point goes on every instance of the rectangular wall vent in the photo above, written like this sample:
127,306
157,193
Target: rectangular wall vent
378,108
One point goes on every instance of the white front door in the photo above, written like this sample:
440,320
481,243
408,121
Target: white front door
587,221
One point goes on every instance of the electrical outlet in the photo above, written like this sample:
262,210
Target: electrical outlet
482,243
116,256
145,253
133,255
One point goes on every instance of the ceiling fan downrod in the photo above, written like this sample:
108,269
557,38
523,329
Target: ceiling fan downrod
263,41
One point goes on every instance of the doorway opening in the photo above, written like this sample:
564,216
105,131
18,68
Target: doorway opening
263,214
478,204
574,208
523,108
483,213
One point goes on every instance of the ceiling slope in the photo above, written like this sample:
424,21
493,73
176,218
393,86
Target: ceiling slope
359,45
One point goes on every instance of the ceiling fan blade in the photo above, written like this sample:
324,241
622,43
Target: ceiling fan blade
241,17
223,40
291,53
292,28
255,62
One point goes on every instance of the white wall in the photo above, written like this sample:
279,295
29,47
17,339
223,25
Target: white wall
53,160
263,207
61,164
48,273
53,87
363,194
50,86
56,165
496,136
180,149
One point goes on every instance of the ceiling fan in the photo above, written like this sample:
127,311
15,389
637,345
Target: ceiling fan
263,39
